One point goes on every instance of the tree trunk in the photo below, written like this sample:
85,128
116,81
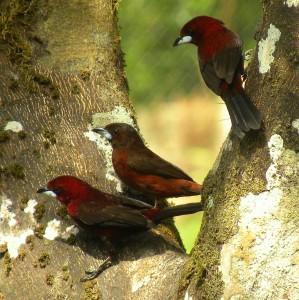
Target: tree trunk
61,70
248,245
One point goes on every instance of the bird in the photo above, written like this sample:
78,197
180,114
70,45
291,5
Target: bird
108,216
221,65
141,169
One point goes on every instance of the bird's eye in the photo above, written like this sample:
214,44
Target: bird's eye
58,191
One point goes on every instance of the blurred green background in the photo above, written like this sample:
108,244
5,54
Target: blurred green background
179,117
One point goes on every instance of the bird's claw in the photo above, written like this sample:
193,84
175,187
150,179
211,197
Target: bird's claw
89,272
89,275
95,273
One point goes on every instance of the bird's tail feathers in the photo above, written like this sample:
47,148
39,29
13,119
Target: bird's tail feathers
244,115
178,210
194,188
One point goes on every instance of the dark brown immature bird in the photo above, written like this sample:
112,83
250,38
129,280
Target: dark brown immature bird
143,170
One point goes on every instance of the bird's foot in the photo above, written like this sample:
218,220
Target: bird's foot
95,273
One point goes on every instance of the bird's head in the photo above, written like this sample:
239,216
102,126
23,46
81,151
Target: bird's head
194,30
120,135
66,189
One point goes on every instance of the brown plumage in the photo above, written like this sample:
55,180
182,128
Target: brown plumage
142,169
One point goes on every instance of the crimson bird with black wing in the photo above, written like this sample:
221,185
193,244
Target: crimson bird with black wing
221,66
113,217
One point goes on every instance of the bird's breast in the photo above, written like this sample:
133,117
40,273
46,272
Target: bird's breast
72,209
215,42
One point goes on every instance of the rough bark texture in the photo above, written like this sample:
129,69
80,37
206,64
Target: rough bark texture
248,245
60,69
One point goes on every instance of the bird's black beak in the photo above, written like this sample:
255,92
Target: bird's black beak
176,42
103,132
42,190
182,40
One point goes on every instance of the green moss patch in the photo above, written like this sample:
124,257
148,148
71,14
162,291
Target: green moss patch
4,136
39,211
50,279
90,292
29,242
44,260
22,135
39,231
61,212
14,170
49,135
23,203
7,264
15,19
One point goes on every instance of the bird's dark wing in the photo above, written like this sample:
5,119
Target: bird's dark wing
227,61
223,66
149,163
93,213
126,201
210,77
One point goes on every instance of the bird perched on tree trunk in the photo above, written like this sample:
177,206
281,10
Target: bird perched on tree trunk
113,217
143,170
221,65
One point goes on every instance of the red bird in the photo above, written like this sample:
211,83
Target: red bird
221,65
143,170
110,216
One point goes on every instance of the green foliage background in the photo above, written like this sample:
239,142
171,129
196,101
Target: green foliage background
148,29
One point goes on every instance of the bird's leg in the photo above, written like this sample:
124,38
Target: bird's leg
108,262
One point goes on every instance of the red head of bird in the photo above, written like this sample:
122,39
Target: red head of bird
67,188
197,29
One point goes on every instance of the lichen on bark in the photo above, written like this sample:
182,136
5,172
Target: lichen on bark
60,64
241,172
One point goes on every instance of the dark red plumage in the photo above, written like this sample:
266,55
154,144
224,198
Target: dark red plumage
111,216
98,212
143,170
221,65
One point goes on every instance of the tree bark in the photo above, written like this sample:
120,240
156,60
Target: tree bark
61,70
248,244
